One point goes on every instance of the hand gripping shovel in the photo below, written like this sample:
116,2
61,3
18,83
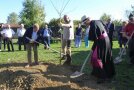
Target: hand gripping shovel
79,73
43,44
119,58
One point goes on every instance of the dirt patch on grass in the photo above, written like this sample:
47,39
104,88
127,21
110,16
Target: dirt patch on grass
45,77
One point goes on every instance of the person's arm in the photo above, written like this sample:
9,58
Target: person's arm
17,31
125,33
69,25
12,32
92,31
94,46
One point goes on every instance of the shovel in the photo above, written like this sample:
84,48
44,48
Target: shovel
119,58
43,44
80,73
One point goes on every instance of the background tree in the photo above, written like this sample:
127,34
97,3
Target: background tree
117,22
105,17
54,25
33,12
12,18
76,22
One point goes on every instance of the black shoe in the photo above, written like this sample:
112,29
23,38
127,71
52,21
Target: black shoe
45,47
68,60
36,63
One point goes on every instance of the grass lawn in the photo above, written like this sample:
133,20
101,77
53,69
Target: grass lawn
125,72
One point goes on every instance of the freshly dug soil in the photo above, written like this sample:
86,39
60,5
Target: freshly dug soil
46,76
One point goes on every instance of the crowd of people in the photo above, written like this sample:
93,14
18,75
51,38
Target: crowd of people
95,30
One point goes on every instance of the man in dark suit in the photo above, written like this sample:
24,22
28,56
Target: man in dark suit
31,36
110,29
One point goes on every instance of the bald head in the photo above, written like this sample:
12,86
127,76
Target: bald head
66,19
8,26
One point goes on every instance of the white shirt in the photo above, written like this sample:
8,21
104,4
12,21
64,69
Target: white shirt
68,32
34,35
8,33
46,33
21,32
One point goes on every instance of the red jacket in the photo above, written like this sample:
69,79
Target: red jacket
129,29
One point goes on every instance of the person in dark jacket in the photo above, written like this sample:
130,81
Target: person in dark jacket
46,34
30,37
110,30
101,58
0,40
78,35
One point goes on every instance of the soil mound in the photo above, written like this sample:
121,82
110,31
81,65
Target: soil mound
44,77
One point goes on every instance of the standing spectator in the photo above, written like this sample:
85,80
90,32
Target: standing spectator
129,30
0,41
101,58
68,35
122,40
20,32
46,36
32,33
3,35
110,30
86,36
8,34
78,35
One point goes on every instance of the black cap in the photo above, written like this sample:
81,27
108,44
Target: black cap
131,16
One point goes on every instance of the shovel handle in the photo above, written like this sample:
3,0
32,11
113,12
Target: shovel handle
87,58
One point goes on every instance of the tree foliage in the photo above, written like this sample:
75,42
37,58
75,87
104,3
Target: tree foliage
105,17
76,22
12,18
117,22
54,25
33,12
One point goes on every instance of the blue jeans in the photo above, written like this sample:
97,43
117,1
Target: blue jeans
78,41
86,41
47,41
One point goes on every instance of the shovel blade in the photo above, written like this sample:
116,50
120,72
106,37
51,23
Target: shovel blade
76,74
117,60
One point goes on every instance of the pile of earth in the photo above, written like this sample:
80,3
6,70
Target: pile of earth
44,77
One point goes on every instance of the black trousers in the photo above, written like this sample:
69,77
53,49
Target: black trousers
111,39
5,42
21,42
9,42
131,50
